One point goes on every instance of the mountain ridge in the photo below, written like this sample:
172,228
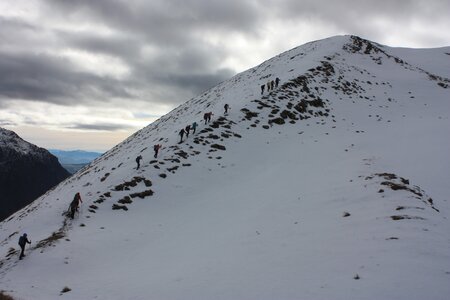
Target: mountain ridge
260,203
27,171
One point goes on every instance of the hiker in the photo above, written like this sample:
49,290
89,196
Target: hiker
156,149
23,240
187,129
194,126
181,134
262,88
268,85
226,107
277,81
272,83
138,161
74,205
207,117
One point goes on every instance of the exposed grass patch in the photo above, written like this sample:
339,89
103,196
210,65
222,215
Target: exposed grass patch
279,121
217,146
4,296
142,195
405,217
57,235
249,114
117,207
125,200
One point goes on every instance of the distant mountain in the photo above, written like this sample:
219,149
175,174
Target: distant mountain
26,172
74,156
74,160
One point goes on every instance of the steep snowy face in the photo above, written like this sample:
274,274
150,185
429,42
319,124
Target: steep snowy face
328,184
11,141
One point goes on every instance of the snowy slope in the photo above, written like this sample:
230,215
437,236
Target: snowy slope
347,199
10,141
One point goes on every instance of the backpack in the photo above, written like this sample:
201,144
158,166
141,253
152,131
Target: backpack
22,241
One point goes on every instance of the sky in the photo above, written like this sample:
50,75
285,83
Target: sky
83,74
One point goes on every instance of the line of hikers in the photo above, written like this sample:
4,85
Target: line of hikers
156,149
76,202
271,84
70,212
184,132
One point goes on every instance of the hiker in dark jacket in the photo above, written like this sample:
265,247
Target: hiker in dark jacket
187,129
23,240
272,83
277,81
74,205
226,107
181,134
156,149
138,161
209,116
262,88
194,126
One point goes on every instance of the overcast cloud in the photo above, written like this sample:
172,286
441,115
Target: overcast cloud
142,55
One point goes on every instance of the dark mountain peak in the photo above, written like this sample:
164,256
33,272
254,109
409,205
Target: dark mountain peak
26,172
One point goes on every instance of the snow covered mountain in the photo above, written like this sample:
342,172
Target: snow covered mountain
74,156
26,172
74,160
333,185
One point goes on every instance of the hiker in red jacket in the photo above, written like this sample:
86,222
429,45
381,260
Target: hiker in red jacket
207,117
156,149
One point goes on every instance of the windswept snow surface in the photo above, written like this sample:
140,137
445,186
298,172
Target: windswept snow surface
348,199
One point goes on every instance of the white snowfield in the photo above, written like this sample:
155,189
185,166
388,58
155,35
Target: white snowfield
348,199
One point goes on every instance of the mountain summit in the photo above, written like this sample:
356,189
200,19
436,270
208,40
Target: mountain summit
26,172
331,185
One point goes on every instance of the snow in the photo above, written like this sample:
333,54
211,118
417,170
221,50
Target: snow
10,140
264,219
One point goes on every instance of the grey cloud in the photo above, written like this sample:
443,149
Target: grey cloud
196,83
163,20
6,123
42,77
141,115
122,47
363,17
182,61
101,127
